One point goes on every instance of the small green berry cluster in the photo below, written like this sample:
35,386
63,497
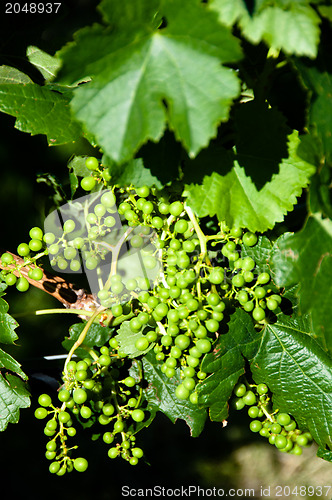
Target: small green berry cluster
279,428
99,174
95,394
13,270
59,427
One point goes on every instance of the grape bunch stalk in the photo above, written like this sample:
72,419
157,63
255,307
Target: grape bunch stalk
156,273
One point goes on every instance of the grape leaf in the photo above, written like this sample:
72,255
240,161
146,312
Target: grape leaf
306,258
7,325
299,374
13,396
226,364
126,339
13,75
9,363
293,27
38,110
97,335
318,80
46,64
160,394
144,78
234,197
133,172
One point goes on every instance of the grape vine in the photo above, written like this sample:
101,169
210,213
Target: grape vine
190,281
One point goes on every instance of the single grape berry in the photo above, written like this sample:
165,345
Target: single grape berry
35,245
44,400
88,183
255,425
283,419
240,390
80,464
91,163
249,398
138,415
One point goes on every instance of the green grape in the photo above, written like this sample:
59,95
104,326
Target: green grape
109,221
258,314
291,426
143,192
137,452
248,264
253,411
240,390
191,361
69,226
119,426
91,163
283,419
80,396
263,278
275,428
181,226
113,452
41,413
49,238
157,222
163,208
54,467
238,280
136,241
70,253
182,392
108,199
302,440
23,250
108,437
64,395
182,341
64,417
193,398
239,403
176,208
88,183
249,398
45,400
36,233
213,299
129,381
100,210
262,389
91,218
242,297
189,383
249,306
10,279
236,232
147,207
260,292
80,464
280,441
176,352
51,446
7,258
271,304
142,344
249,239
85,412
52,424
204,345
248,276
212,325
104,360
255,425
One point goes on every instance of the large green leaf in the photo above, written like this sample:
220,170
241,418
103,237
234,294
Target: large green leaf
7,325
306,258
318,80
299,374
144,78
233,196
291,26
13,396
38,110
160,394
226,364
46,64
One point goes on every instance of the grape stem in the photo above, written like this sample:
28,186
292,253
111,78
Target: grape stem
82,336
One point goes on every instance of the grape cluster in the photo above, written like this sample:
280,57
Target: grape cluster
96,393
279,428
12,274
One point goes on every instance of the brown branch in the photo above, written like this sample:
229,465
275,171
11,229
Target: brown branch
68,294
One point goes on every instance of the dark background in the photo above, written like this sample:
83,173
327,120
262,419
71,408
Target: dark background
213,459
